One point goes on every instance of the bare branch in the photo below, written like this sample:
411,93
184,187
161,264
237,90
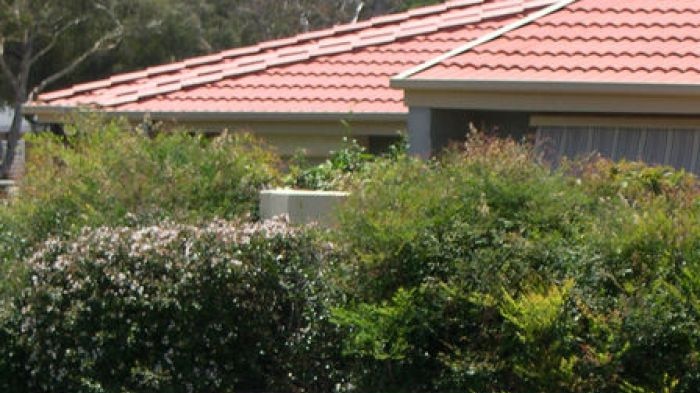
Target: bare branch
55,37
6,68
358,11
107,42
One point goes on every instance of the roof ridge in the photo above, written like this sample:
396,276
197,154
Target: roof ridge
196,61
556,6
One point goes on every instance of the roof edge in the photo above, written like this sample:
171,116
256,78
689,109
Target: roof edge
55,111
525,86
484,39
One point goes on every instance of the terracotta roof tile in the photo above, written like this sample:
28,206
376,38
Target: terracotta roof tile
342,69
631,41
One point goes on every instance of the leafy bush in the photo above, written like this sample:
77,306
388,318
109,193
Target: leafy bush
109,174
480,271
223,307
484,271
338,172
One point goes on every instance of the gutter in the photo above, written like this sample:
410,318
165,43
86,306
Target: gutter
538,86
49,110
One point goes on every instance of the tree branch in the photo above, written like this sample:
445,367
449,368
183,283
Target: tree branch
358,11
106,42
55,37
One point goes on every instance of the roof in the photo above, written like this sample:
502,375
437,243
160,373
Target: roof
339,70
631,43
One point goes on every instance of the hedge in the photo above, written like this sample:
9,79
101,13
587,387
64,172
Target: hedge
487,271
484,270
223,307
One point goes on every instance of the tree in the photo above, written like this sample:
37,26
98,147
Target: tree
29,31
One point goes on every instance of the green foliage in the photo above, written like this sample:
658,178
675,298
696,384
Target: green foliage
534,313
481,271
222,307
334,173
108,174
484,271
344,167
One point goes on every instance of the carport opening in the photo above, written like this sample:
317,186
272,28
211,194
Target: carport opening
452,126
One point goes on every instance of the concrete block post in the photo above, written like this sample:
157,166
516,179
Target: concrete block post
302,206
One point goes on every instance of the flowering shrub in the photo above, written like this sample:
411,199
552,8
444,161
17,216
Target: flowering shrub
174,308
107,173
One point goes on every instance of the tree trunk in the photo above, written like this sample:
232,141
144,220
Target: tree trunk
21,85
13,138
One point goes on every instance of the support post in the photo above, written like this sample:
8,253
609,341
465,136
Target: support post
420,132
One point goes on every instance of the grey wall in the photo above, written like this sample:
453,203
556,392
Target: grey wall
431,130
677,147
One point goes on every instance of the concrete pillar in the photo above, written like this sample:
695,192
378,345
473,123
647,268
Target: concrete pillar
420,131
302,206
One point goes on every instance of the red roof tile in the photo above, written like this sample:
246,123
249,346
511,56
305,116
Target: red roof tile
339,70
602,41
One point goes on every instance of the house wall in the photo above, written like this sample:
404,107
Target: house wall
661,139
316,133
316,138
677,147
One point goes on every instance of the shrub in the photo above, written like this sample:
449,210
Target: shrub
484,271
223,307
109,174
348,164
480,271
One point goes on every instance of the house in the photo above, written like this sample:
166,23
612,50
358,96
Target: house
621,78
305,91
617,77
